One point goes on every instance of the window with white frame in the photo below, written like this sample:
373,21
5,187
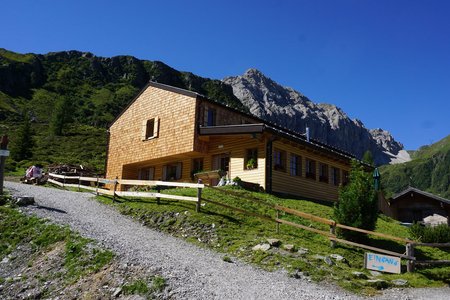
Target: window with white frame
147,173
172,171
150,129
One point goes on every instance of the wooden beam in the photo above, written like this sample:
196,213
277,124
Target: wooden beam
387,236
305,215
155,195
161,183
435,245
325,233
372,248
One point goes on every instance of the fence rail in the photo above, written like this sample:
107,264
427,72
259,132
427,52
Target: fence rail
410,250
115,182
410,245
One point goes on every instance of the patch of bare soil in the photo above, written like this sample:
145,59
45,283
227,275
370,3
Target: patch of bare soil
25,274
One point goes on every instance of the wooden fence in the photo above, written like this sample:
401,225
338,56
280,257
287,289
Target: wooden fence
331,223
412,264
153,183
331,234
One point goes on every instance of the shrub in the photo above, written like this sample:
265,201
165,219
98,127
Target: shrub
425,234
357,205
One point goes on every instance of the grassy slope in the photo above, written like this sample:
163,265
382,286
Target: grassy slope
82,144
81,257
235,234
429,171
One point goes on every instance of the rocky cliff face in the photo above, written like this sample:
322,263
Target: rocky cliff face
328,123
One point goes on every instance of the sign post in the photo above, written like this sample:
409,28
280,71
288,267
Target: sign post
382,263
3,154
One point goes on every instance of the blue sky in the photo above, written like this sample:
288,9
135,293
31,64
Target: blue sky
384,62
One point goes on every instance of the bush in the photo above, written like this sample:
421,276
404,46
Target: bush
436,234
357,205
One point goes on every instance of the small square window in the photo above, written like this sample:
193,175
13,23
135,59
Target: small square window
295,165
345,177
210,117
147,173
279,160
323,172
197,166
172,171
310,168
251,159
150,129
335,176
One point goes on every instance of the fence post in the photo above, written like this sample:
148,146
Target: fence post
79,183
158,189
278,224
410,252
333,232
199,196
96,189
115,188
64,181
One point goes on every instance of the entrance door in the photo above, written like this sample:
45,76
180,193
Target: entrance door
221,162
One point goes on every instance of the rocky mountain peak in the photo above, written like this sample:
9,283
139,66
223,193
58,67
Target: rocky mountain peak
328,123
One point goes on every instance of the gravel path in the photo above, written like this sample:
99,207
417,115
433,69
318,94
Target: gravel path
192,272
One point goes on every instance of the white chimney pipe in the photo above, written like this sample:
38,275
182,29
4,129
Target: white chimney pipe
307,134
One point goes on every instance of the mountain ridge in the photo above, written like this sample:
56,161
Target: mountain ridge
328,123
98,88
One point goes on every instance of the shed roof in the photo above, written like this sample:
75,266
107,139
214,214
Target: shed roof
426,194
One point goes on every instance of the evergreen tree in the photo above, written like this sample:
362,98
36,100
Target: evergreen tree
368,158
358,203
62,115
22,142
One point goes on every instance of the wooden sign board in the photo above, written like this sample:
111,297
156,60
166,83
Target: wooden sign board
4,152
382,263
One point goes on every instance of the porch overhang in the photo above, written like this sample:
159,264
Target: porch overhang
232,129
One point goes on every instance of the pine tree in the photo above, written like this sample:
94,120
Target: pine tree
61,116
358,203
368,158
22,142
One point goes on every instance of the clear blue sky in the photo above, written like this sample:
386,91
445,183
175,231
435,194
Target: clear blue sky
385,62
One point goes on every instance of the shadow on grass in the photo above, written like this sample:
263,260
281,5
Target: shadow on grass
51,209
177,204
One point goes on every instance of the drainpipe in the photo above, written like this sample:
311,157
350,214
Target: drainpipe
269,166
107,150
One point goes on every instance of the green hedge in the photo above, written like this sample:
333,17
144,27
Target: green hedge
425,234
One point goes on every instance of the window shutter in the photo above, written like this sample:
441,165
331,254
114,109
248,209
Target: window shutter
144,130
164,173
156,127
178,175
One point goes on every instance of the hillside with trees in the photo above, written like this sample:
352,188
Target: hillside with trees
53,105
429,170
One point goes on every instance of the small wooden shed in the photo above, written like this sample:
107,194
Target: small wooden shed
414,205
